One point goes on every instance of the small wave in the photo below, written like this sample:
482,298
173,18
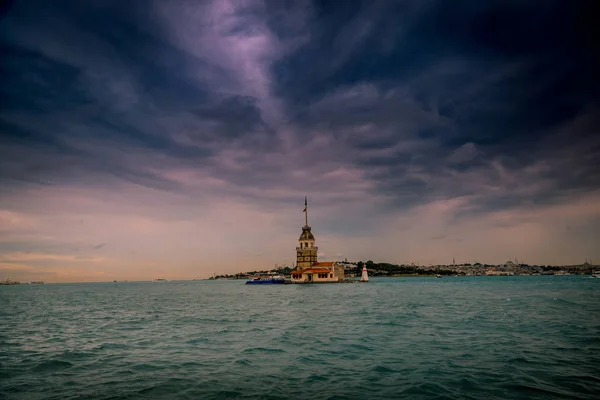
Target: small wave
192,364
386,323
520,360
57,340
350,356
147,367
590,378
5,373
380,369
113,346
10,344
310,360
468,384
546,391
76,355
130,328
124,372
228,394
317,378
52,365
559,301
426,390
359,346
197,340
263,349
258,329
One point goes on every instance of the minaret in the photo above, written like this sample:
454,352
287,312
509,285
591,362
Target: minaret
306,252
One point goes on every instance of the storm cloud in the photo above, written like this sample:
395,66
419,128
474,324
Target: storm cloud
186,134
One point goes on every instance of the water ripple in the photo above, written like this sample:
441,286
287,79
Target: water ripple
459,338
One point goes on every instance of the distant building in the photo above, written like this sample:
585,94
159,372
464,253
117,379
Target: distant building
497,272
308,269
320,272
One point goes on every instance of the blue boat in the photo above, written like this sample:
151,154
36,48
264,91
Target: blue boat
270,280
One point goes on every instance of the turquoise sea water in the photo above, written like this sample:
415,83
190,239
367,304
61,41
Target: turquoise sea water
418,338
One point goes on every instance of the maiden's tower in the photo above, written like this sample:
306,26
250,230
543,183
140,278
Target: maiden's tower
308,269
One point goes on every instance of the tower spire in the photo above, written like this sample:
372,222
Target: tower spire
305,211
306,252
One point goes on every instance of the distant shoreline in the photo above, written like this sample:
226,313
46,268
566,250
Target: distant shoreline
417,276
244,278
353,269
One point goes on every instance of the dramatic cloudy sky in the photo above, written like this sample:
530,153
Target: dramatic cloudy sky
176,139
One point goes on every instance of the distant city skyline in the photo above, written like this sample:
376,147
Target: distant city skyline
174,139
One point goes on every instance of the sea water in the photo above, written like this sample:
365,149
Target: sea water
418,338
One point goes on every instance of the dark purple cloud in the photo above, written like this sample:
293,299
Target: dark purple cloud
370,108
